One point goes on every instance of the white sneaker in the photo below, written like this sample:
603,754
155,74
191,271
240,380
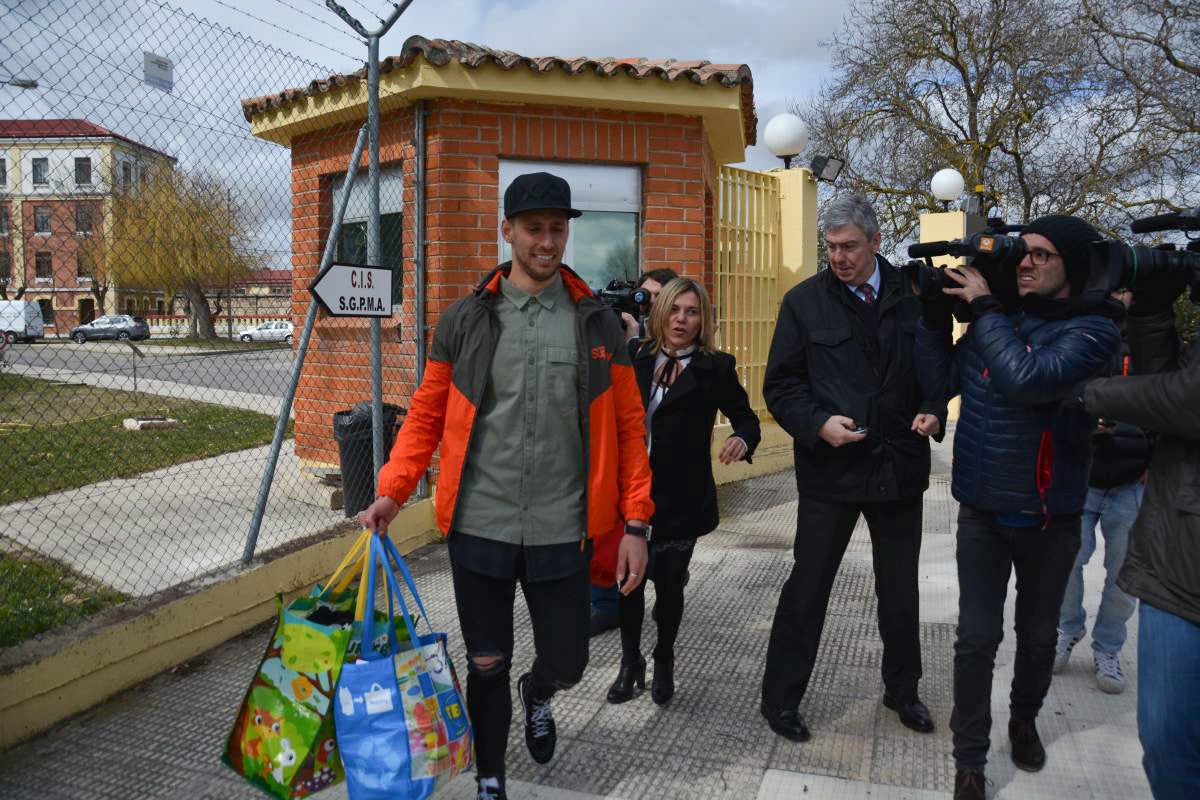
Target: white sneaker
1062,651
1109,677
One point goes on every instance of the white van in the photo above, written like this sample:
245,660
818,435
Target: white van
20,320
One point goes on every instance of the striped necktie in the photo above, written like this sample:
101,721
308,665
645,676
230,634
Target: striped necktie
868,294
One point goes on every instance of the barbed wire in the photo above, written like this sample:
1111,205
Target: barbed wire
285,30
324,22
237,34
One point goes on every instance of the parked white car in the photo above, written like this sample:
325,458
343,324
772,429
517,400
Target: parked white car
279,331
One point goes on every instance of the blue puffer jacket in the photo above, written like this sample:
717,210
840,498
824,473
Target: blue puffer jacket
1016,448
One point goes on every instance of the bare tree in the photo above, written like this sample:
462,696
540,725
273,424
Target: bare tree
1012,93
1155,46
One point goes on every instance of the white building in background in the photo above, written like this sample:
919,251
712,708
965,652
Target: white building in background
57,181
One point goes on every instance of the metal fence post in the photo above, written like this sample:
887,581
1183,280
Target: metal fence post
373,37
285,412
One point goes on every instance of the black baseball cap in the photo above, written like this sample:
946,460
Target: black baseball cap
538,191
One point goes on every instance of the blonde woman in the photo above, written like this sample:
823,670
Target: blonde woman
684,381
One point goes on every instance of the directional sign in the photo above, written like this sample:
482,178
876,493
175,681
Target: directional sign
354,290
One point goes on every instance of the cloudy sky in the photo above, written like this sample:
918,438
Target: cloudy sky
779,40
87,56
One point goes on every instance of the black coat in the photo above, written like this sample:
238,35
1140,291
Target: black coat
1162,565
684,493
823,362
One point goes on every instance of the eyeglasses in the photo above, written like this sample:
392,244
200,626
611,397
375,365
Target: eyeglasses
1039,257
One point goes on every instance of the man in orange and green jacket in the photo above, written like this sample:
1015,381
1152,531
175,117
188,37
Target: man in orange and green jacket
531,394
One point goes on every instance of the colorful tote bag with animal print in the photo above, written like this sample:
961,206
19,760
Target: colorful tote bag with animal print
283,739
401,723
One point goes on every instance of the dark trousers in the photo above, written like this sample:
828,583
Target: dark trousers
559,612
822,532
987,553
668,568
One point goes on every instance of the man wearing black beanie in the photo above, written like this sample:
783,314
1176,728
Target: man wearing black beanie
1020,471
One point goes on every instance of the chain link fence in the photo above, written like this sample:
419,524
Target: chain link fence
153,265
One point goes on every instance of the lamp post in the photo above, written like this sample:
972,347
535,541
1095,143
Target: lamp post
947,185
20,83
785,136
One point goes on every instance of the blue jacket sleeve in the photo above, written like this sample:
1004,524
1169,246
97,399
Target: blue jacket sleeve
937,374
1083,349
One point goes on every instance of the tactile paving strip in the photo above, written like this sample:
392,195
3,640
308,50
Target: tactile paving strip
164,738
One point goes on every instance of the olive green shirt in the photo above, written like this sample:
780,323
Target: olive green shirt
524,478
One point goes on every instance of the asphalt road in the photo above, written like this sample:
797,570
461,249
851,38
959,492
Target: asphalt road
256,371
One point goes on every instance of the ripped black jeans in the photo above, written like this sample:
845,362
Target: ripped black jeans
559,610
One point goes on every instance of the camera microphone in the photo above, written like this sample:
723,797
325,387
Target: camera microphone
1181,221
930,249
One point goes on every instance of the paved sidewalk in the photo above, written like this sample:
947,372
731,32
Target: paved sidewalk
171,525
163,739
264,404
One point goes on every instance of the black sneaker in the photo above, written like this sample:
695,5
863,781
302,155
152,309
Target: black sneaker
540,732
1027,751
488,792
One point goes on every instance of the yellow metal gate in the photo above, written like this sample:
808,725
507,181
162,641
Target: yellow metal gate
746,264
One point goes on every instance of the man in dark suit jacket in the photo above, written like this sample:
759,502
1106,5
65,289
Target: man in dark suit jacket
840,379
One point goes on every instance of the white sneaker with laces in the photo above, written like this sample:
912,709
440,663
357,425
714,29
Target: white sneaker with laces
1062,651
1109,676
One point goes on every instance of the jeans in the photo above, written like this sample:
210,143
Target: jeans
1169,702
559,612
667,569
1115,510
987,553
822,533
605,599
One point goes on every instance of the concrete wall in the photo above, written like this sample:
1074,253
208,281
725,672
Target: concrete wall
51,678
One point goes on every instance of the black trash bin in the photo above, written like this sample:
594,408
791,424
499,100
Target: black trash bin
352,430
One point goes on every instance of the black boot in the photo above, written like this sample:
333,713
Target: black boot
627,677
1027,750
662,688
969,784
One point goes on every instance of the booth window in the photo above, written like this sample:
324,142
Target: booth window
352,239
604,244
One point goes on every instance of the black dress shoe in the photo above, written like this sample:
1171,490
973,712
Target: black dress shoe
786,722
1027,751
913,713
970,784
628,676
662,688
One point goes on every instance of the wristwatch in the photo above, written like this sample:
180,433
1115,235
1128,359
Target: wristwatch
640,531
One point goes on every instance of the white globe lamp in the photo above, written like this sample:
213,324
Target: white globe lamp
947,185
785,136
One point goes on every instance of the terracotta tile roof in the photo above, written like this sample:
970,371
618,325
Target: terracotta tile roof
442,51
62,129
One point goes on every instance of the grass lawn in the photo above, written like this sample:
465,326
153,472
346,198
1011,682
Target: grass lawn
56,436
40,594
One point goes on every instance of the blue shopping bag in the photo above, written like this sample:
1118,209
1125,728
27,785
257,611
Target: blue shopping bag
400,721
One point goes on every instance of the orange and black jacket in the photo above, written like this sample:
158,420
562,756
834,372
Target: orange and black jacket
443,408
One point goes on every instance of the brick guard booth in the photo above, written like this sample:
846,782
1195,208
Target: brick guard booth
639,141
